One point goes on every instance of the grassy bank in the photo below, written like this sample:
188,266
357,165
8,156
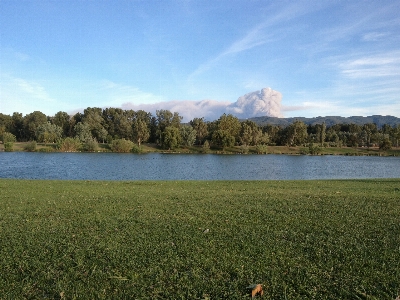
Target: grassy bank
199,240
148,148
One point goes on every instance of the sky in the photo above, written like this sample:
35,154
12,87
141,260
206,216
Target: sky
325,58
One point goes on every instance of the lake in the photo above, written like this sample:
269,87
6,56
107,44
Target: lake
157,166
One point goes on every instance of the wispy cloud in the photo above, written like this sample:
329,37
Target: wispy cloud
369,66
259,35
22,95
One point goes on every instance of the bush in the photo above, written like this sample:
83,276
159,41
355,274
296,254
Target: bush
314,149
31,146
121,145
69,144
9,146
90,145
261,149
8,138
136,149
206,146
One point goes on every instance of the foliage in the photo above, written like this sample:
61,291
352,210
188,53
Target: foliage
136,149
206,146
200,126
8,137
199,239
170,138
261,149
188,135
30,146
141,132
31,123
121,145
8,146
69,144
314,149
83,132
48,133
90,145
223,138
385,144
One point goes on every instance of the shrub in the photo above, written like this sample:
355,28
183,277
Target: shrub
206,146
121,145
69,144
9,146
314,149
31,146
90,145
261,149
136,149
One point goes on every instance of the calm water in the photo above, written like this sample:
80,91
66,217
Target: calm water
112,166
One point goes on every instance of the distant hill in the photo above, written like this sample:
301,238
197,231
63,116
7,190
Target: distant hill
329,120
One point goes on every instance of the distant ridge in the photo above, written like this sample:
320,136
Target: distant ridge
329,120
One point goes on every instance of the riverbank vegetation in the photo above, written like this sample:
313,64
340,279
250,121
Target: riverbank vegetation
199,239
120,130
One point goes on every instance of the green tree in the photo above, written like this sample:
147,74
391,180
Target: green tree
92,116
188,135
17,126
31,123
141,132
62,119
82,132
48,133
200,126
250,133
165,119
170,138
385,144
8,137
223,138
226,132
296,134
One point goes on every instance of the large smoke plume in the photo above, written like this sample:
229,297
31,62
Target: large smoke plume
266,102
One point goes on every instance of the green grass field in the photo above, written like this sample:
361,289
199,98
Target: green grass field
199,239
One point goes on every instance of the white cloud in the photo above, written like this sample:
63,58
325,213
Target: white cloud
266,102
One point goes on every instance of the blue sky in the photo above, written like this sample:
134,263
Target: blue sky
324,57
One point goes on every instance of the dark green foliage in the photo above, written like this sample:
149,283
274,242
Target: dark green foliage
197,240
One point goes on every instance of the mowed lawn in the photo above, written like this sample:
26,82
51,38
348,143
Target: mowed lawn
199,239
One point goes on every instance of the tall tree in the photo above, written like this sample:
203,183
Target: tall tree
92,116
165,119
31,123
48,133
62,119
141,132
188,135
200,126
227,131
170,138
296,134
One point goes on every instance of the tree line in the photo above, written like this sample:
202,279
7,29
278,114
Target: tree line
126,130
